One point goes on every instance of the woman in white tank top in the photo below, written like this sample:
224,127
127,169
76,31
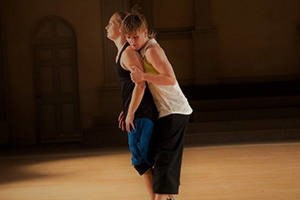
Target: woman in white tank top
172,105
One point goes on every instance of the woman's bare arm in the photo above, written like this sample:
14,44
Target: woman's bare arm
158,59
131,60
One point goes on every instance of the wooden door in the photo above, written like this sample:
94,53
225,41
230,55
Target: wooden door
56,82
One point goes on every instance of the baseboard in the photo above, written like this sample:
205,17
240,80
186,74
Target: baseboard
105,136
251,136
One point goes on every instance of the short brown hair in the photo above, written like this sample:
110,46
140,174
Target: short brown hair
134,22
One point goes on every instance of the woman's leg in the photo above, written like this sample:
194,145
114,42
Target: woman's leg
149,183
168,158
161,196
139,149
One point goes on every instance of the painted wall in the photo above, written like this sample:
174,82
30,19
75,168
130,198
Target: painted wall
257,39
231,41
20,18
208,42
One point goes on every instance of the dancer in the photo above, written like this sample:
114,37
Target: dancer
173,107
138,106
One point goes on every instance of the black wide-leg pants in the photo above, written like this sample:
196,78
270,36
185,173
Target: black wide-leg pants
167,144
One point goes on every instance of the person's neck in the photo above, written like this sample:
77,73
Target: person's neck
119,42
146,41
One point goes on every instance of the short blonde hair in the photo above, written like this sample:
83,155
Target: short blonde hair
121,15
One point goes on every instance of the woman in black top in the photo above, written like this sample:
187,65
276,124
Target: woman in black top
138,106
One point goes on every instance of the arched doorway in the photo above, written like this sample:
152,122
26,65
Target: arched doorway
56,81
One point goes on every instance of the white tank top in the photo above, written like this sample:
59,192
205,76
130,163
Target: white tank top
169,99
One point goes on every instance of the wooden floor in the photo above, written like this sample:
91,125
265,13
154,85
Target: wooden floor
232,172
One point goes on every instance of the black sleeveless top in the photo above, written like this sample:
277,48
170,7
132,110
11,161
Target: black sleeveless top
147,107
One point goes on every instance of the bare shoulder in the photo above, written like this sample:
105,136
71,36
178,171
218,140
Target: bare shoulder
131,58
131,54
129,51
155,51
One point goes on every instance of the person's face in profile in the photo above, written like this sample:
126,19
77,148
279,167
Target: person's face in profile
113,27
137,39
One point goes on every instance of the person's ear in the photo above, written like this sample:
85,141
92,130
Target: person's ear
120,30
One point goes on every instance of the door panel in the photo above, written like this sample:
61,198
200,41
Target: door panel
65,75
68,121
47,121
47,80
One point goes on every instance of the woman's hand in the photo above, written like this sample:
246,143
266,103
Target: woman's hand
121,121
137,75
129,122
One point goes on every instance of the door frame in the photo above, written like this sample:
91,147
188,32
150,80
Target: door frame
54,42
